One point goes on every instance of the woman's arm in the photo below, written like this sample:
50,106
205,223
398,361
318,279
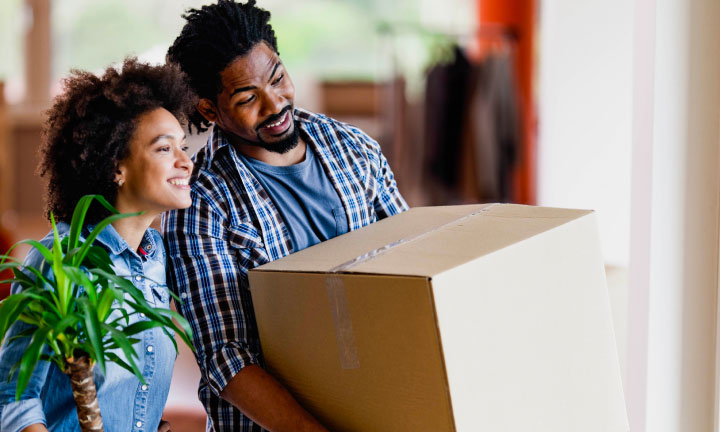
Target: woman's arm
38,427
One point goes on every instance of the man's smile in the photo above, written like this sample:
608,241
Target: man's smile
278,127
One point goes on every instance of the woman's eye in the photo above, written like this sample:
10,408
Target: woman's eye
164,149
278,79
185,148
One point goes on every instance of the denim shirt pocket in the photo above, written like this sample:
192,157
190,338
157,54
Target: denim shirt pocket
160,294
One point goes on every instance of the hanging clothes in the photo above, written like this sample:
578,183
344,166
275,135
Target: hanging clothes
472,125
493,126
445,100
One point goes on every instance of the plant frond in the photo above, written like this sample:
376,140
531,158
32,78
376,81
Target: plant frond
29,360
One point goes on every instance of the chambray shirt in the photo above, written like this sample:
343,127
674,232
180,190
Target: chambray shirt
233,225
125,403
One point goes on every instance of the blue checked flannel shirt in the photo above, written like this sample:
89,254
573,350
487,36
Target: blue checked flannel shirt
233,226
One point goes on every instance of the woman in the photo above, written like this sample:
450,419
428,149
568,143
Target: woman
116,135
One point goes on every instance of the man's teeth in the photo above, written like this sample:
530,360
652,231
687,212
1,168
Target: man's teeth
179,182
279,122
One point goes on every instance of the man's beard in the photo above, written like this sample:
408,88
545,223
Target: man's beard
282,146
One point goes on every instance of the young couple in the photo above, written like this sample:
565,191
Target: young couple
272,179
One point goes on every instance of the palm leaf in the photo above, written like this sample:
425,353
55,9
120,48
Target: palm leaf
80,279
10,309
126,346
30,359
93,331
80,255
35,244
78,219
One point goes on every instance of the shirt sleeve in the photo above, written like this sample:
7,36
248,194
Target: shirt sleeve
388,200
15,416
207,267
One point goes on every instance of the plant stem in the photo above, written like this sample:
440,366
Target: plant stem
84,393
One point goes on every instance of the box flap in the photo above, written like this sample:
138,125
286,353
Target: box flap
425,241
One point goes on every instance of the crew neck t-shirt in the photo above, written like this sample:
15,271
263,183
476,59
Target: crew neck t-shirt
305,198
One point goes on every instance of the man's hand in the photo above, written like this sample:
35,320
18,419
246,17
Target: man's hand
259,396
164,426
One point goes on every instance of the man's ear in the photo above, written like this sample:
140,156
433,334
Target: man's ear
207,109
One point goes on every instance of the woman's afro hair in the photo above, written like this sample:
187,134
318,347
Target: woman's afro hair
90,125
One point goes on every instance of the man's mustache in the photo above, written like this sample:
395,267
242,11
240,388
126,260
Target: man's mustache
275,117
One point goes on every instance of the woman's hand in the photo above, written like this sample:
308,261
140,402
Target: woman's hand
164,426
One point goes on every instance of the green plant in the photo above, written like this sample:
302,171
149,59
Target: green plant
69,303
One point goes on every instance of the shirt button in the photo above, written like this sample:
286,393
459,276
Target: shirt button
148,247
183,295
144,387
150,348
142,314
138,424
138,278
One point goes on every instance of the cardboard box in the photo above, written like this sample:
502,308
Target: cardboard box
469,318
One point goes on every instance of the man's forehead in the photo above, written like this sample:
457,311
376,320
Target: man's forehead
256,64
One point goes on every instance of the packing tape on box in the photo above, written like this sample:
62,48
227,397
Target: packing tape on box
343,323
338,296
347,265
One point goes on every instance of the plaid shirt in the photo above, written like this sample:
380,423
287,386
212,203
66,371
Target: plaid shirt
233,226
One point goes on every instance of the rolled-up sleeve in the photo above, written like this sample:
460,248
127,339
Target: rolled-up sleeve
17,415
208,262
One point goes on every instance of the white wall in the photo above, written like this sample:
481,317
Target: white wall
585,113
634,88
674,254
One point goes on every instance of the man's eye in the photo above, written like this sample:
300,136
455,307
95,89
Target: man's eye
246,101
278,79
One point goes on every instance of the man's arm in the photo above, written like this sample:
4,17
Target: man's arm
387,198
257,394
207,266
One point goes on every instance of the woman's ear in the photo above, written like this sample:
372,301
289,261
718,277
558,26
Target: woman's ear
207,108
119,175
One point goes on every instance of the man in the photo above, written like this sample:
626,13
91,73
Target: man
272,179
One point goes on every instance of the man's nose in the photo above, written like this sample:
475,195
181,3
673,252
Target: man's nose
272,103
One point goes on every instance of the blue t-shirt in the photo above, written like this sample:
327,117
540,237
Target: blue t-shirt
305,198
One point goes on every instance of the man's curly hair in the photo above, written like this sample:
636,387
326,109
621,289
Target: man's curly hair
212,38
90,125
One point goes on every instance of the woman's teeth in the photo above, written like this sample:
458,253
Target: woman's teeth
179,182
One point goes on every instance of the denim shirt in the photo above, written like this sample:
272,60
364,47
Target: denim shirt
125,403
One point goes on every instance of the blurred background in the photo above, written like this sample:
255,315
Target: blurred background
611,105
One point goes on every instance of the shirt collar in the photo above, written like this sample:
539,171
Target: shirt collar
114,243
218,140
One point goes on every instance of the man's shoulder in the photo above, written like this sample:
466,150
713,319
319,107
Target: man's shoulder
313,118
209,174
326,130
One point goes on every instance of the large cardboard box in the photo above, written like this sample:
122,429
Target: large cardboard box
470,318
